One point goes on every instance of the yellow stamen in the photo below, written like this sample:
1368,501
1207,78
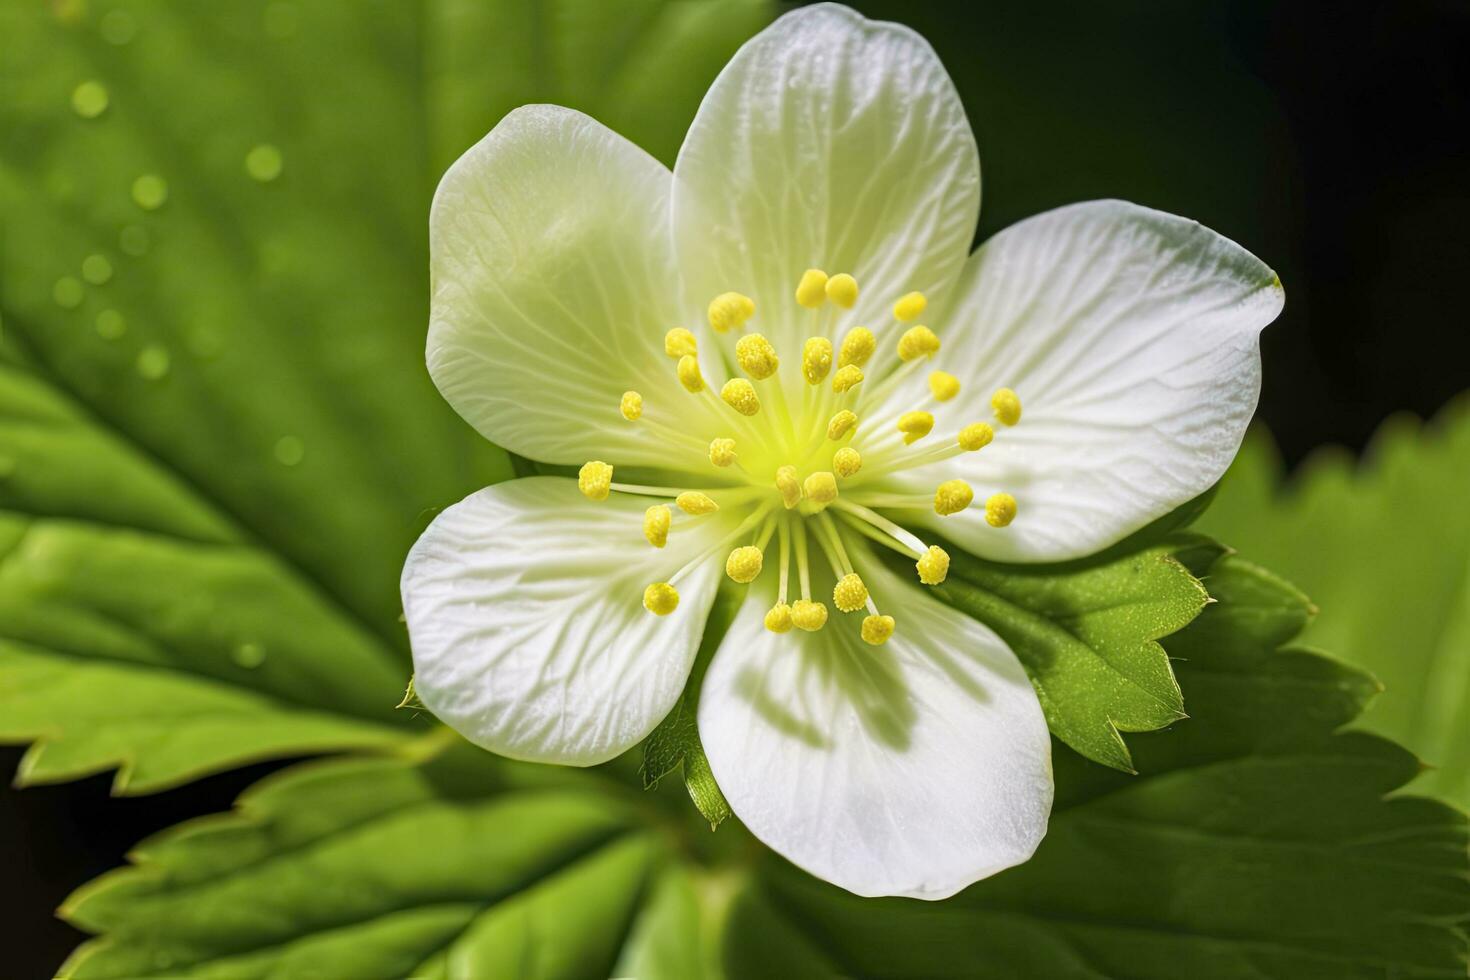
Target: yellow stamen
757,357
846,378
915,426
820,487
594,479
808,615
660,598
934,566
857,346
1007,406
951,497
695,503
722,451
811,292
842,290
789,485
917,342
943,386
778,620
877,629
1000,509
678,342
849,594
816,359
846,462
841,424
975,436
656,521
689,375
730,310
740,395
744,564
909,307
631,405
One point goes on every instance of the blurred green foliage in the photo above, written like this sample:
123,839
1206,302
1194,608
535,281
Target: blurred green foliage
1382,544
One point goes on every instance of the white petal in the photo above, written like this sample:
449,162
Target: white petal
834,142
914,768
524,607
1131,336
553,286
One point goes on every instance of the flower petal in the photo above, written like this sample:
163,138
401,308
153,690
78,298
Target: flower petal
553,286
524,607
1131,337
912,768
834,142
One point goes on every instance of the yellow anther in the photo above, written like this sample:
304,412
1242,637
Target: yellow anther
934,566
877,629
910,307
808,615
656,521
678,342
757,357
778,620
975,436
857,346
660,598
917,342
842,289
811,292
846,378
1000,509
744,564
841,424
689,375
1007,406
631,405
594,479
914,426
789,485
951,497
740,395
943,385
820,487
722,451
730,310
696,503
846,462
816,359
849,594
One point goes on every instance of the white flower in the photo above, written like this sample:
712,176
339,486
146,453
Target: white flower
1080,375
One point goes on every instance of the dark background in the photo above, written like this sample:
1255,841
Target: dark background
1333,140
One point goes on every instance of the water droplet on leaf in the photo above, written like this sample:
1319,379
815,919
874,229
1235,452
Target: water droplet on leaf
289,450
67,292
153,362
264,162
248,655
117,27
111,325
133,240
150,191
96,269
89,99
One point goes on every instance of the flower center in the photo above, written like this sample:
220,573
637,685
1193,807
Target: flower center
787,455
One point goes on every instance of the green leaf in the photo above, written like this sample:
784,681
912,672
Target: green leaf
1257,843
460,866
675,742
1383,544
217,436
1086,633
